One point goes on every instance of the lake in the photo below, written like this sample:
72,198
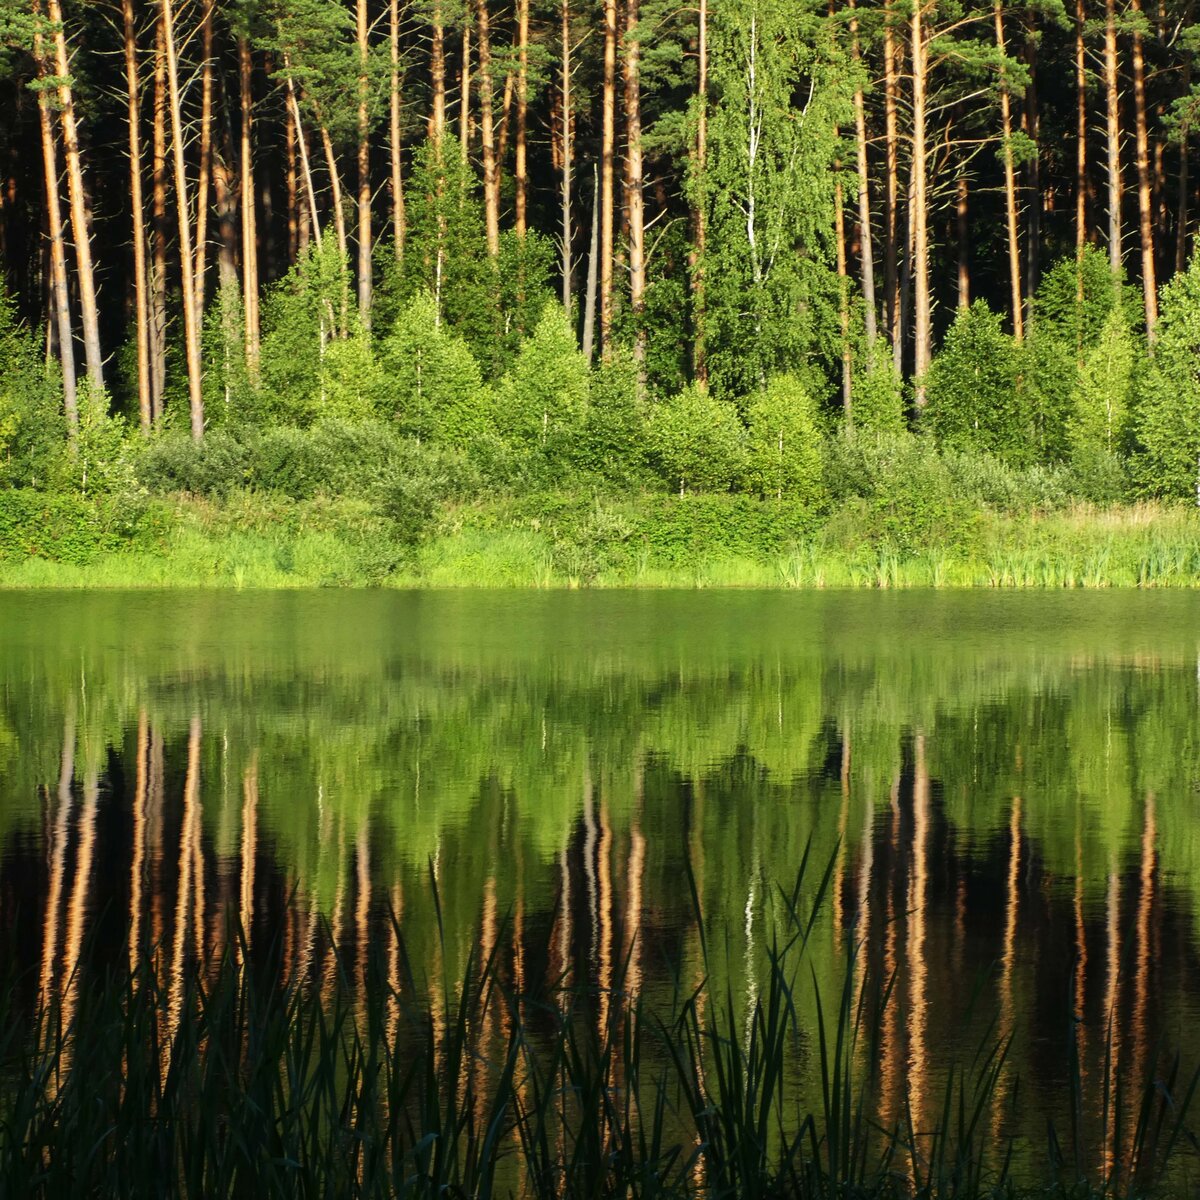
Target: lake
1004,787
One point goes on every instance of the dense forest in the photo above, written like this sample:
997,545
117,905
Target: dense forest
477,249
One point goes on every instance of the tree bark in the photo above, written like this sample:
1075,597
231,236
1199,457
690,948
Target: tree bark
866,236
365,241
1010,186
1031,119
1113,135
589,302
437,72
399,224
191,323
700,219
491,176
158,274
1081,129
464,95
249,215
607,146
891,196
1145,198
60,296
520,167
1181,204
922,325
634,199
140,282
204,175
963,238
843,296
84,269
565,16
335,185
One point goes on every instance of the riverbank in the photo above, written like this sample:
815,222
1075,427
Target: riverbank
250,540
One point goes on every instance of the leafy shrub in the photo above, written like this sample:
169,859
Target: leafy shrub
1100,419
972,393
990,482
784,443
1076,296
679,529
334,457
174,462
420,480
613,441
697,441
1168,416
74,528
877,392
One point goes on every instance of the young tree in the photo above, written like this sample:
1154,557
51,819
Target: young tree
784,443
697,441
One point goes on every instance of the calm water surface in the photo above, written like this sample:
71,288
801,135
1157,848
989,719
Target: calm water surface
1008,786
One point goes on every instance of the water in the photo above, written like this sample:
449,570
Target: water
1007,787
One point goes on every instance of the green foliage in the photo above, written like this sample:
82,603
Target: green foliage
32,426
784,443
1049,378
73,528
877,391
972,396
1103,389
542,403
684,529
433,385
353,386
100,461
613,440
1168,416
1075,298
332,457
697,441
175,462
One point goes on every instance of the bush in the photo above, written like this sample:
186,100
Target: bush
992,483
784,443
972,393
613,442
33,429
697,441
1168,416
1099,422
677,530
337,458
75,529
419,481
877,392
173,462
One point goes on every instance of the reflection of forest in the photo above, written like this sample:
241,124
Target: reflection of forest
1009,816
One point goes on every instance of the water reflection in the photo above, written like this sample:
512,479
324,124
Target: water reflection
1005,791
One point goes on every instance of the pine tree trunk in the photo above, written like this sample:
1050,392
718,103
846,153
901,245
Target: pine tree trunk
1145,199
310,186
365,240
1181,204
891,195
634,198
565,14
843,297
140,282
589,302
963,238
1010,186
437,72
607,148
191,323
491,176
923,325
464,95
399,224
699,217
335,186
866,236
1081,130
60,295
206,155
520,167
249,212
292,186
1031,119
158,274
84,269
1113,135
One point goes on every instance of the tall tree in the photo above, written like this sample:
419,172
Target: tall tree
137,205
634,200
1142,148
365,241
1112,129
607,152
1010,186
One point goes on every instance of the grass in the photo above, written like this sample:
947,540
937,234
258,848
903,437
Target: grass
254,541
242,1078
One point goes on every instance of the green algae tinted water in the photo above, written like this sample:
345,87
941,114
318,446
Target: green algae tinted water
1007,787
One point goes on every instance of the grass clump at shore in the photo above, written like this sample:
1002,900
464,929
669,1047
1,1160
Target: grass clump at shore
240,1076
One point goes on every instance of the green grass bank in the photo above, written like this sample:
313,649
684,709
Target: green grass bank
577,539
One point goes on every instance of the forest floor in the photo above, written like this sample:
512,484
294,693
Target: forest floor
251,541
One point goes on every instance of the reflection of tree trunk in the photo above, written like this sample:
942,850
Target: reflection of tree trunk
1148,878
916,949
362,908
1112,908
249,852
137,871
1008,959
77,913
189,835
634,870
58,859
891,1067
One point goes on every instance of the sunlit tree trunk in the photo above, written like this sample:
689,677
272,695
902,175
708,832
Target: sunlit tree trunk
922,316
891,195
59,292
136,203
395,145
365,243
700,219
84,269
1031,119
1181,202
1010,186
437,73
866,235
1081,130
843,294
520,166
204,175
1145,199
191,321
634,199
491,176
589,300
158,274
464,95
567,151
607,147
963,238
249,219
1113,136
